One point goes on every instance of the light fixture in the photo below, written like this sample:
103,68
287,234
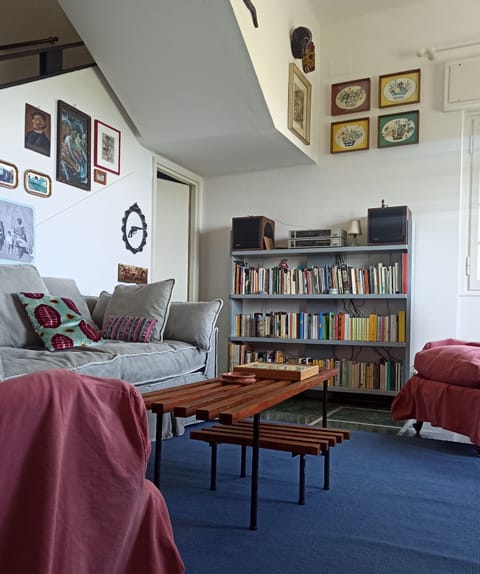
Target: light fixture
354,229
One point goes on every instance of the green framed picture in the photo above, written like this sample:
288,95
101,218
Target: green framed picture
398,129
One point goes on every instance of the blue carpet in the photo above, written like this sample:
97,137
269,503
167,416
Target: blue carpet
396,505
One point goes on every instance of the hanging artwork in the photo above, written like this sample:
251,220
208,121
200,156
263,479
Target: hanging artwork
17,240
299,102
37,130
134,229
349,97
399,89
107,147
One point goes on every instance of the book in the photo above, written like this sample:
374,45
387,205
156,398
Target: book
279,371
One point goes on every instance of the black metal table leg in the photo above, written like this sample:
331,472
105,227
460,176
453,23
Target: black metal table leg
301,481
243,462
255,461
326,470
325,401
213,467
158,448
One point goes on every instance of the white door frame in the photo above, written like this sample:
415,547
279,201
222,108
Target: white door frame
195,184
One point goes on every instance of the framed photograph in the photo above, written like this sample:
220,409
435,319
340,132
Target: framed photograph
100,176
37,183
107,147
299,104
132,274
17,239
398,129
8,174
399,89
352,135
37,130
350,97
73,146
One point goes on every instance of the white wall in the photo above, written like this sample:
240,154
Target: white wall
78,233
426,177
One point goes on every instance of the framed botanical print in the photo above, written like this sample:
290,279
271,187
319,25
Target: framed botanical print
398,129
350,97
352,135
299,102
399,89
73,146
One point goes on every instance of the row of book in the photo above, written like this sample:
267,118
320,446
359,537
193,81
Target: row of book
376,279
323,326
384,375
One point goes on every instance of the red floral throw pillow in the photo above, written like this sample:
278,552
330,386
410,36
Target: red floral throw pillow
58,322
126,328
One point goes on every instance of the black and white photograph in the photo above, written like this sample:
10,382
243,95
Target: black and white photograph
17,240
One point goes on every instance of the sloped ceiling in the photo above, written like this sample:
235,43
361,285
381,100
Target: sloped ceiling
182,72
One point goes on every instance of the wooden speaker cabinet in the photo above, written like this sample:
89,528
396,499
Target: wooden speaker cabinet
254,232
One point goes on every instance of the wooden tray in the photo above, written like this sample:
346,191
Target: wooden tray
238,378
279,371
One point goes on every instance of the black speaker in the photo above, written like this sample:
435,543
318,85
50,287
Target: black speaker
255,232
388,224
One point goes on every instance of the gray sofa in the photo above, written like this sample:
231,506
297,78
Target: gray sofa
182,349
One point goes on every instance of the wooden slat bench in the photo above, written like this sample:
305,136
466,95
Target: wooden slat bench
299,440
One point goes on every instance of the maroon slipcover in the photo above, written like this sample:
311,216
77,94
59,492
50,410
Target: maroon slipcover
73,493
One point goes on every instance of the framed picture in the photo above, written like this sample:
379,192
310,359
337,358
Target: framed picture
37,183
8,174
17,239
134,229
350,97
398,129
399,89
99,176
73,146
107,147
132,274
37,130
299,103
352,135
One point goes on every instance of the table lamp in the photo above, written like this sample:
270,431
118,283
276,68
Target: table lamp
354,229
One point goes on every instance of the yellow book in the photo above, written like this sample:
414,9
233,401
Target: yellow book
402,327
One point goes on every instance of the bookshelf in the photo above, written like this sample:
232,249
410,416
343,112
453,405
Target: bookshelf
347,307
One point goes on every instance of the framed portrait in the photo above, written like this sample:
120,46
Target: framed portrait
350,97
8,174
73,146
351,135
299,104
37,183
398,129
107,147
134,229
37,130
399,89
100,176
17,238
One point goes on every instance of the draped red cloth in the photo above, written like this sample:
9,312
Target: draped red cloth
73,493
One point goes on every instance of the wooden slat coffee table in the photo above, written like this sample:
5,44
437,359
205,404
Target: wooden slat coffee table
231,403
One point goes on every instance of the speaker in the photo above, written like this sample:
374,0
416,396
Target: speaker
388,224
255,232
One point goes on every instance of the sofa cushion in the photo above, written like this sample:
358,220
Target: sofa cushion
151,300
98,313
454,364
64,287
193,322
15,327
58,322
125,328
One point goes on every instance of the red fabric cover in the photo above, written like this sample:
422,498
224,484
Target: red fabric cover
73,493
451,407
454,364
443,342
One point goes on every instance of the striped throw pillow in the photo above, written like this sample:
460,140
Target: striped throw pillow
130,329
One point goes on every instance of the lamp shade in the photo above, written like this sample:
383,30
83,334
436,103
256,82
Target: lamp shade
354,228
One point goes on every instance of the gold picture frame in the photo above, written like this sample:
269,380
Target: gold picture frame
299,104
350,135
37,183
399,89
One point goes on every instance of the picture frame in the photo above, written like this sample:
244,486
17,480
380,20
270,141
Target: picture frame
350,135
100,176
107,147
132,274
134,229
398,129
350,97
73,146
17,231
37,134
37,183
399,89
8,174
299,104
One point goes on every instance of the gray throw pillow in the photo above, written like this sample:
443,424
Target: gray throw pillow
98,313
65,287
193,322
151,300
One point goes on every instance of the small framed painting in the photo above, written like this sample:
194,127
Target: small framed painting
37,183
352,135
399,89
100,176
132,274
398,129
37,130
8,174
107,147
350,97
299,102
